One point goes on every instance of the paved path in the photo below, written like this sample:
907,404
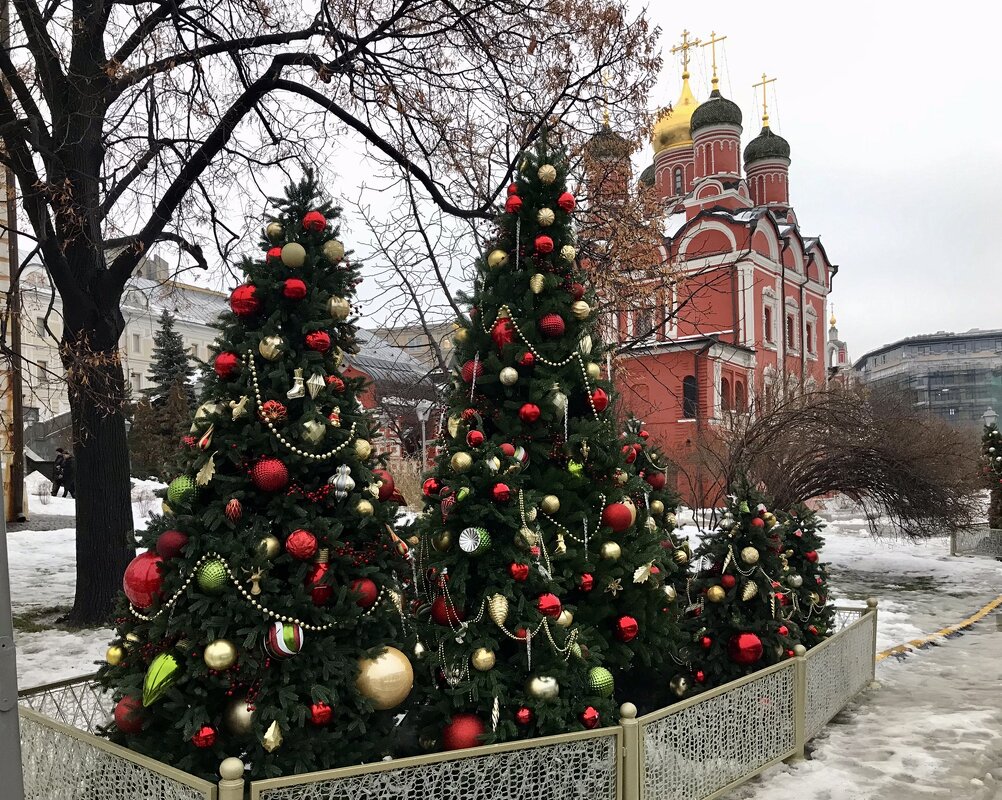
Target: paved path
44,522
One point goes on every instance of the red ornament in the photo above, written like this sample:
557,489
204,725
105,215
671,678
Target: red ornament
442,614
544,244
367,592
812,556
758,522
469,414
513,204
700,676
270,475
301,545
234,510
512,189
617,516
226,365
205,737
790,654
519,572
273,411
319,714
812,629
626,628
549,605
577,290
529,413
463,730
142,580
501,493
527,359
314,221
798,534
243,302
319,341
171,543
728,581
586,582
782,630
320,590
471,369
644,435
706,642
129,714
590,717
630,453
503,333
600,399
508,449
566,202
656,480
475,438
294,289
275,253
552,325
431,487
386,486
335,383
744,648
524,716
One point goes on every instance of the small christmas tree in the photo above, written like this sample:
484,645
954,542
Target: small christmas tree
806,576
265,619
148,451
991,449
171,364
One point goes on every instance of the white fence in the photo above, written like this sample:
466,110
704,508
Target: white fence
977,541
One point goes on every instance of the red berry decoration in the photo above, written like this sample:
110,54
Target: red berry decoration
600,399
700,676
301,545
234,510
205,737
387,486
657,480
586,582
319,341
442,614
294,289
519,572
335,383
590,717
552,325
243,302
549,605
626,628
744,648
475,438
431,487
524,716
728,581
503,333
527,359
463,730
367,592
226,365
529,413
782,630
812,556
617,516
758,522
513,204
566,202
142,580
471,369
270,475
544,244
320,590
706,642
275,254
319,714
129,714
171,543
314,221
501,493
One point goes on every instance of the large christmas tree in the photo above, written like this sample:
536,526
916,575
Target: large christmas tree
265,621
806,576
535,580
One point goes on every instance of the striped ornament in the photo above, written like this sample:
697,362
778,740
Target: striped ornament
284,640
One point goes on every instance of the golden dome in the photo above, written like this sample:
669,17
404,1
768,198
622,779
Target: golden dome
672,130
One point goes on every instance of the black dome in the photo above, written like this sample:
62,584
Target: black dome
608,144
766,145
717,110
647,176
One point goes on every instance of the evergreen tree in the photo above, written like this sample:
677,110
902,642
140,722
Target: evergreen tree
262,620
991,449
171,364
536,581
806,576
146,443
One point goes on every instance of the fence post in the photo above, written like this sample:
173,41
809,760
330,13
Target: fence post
800,703
632,788
953,543
231,787
871,608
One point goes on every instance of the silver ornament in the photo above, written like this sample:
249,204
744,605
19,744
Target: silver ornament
342,481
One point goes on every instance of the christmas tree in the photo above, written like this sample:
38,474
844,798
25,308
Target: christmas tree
265,620
806,576
535,580
991,450
170,365
743,618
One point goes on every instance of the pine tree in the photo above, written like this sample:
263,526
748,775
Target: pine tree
171,364
266,619
146,443
991,450
806,575
537,582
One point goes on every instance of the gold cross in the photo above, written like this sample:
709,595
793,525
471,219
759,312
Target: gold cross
765,107
684,49
713,51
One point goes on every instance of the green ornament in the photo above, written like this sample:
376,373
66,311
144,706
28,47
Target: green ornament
211,577
576,468
600,681
160,676
462,494
181,491
743,508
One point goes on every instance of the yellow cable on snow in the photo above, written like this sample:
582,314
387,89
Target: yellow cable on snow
916,644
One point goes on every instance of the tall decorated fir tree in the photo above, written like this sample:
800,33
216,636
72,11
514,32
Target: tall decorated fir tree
806,575
536,584
171,363
991,450
265,621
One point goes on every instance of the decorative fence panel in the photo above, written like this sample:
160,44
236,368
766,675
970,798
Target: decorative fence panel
977,541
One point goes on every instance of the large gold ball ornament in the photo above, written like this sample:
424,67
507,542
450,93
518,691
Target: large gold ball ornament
543,687
580,309
385,680
483,659
568,252
679,685
545,216
333,250
239,719
461,462
716,594
565,619
364,507
611,551
271,347
681,556
547,174
460,335
338,308
594,371
749,555
220,654
497,258
537,282
441,541
114,655
274,231
657,507
550,504
293,255
815,598
509,376
269,546
363,449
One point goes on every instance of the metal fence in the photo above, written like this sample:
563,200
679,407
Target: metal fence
977,541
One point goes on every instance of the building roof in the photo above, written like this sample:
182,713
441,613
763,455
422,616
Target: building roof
717,110
930,338
672,129
384,362
187,303
766,145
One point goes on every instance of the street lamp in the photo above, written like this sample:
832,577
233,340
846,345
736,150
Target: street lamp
424,408
989,417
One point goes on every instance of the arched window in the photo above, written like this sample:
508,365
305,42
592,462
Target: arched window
725,394
690,397
740,398
679,184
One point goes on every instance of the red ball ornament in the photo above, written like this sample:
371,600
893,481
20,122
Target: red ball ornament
471,369
171,543
782,630
527,359
600,399
586,582
314,221
529,413
319,714
512,189
544,244
234,510
728,581
812,556
335,383
577,290
503,333
442,614
790,654
205,737
367,592
519,572
500,493
270,475
431,487
301,545
626,628
275,253
475,438
656,480
386,486
508,449
630,453
644,435
513,204
744,648
294,289
552,325
706,642
129,714
142,580
590,717
549,605
700,676
226,365
758,522
321,591
524,716
566,202
463,730
617,516
319,341
243,302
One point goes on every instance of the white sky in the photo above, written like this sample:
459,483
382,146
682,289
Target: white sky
893,115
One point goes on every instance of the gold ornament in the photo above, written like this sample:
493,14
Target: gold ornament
657,507
680,556
460,335
271,347
453,425
338,308
628,502
497,608
497,258
769,519
364,507
385,680
749,555
545,216
568,253
508,376
620,478
550,504
670,592
543,687
333,250
815,598
220,654
363,449
749,591
293,255
537,282
131,639
585,345
239,719
274,231
461,462
580,309
167,510
611,551
269,547
272,737
566,619
313,431
483,659
594,371
420,651
547,173
114,655
441,541
716,594
679,685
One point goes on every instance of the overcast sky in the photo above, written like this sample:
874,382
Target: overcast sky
893,115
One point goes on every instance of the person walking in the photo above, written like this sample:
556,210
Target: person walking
69,475
58,471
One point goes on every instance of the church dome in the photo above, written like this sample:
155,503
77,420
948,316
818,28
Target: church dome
717,110
766,145
672,130
608,144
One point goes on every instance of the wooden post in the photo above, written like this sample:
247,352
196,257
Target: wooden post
10,728
800,703
231,787
631,761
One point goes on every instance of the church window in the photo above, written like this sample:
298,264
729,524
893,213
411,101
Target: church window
769,334
740,398
644,322
678,182
791,340
690,397
725,394
809,339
